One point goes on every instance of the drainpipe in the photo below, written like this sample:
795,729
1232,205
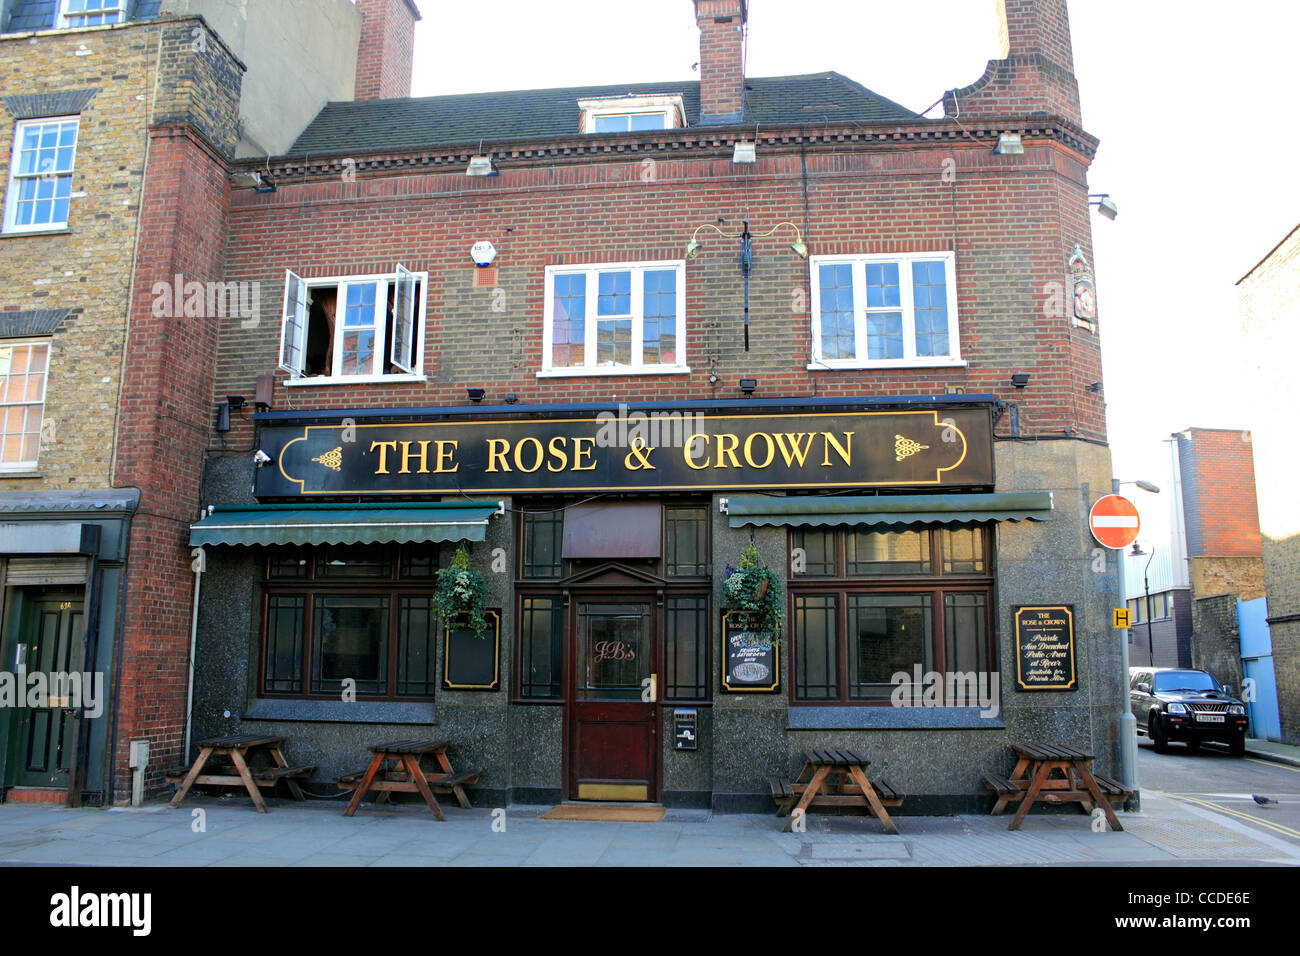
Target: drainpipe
198,564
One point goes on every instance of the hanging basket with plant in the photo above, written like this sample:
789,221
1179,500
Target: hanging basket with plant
458,598
753,595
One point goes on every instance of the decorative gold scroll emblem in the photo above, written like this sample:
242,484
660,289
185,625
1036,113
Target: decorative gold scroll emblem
906,448
333,459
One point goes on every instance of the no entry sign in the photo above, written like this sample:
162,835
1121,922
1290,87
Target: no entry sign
1114,521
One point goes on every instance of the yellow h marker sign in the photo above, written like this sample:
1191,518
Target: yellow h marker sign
1122,617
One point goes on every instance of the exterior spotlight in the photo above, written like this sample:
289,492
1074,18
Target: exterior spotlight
1020,379
480,166
748,385
800,250
1009,145
693,248
235,401
1104,205
744,153
475,394
512,399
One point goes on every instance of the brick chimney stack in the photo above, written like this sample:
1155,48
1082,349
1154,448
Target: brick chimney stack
385,51
1035,73
722,73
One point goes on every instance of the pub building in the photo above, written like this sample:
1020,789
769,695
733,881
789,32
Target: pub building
605,340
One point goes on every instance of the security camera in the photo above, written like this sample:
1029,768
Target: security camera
261,458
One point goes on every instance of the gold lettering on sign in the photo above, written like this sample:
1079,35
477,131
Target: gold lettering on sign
581,451
791,449
906,447
446,448
845,451
537,459
383,447
332,459
749,450
497,449
727,450
423,457
638,458
688,452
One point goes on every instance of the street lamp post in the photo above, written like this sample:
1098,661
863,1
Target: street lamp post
1146,588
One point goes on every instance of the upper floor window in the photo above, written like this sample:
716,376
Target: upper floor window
23,368
353,328
90,13
615,319
884,310
631,114
40,175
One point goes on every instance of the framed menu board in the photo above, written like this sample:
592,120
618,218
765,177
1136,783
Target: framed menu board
751,660
1045,658
470,662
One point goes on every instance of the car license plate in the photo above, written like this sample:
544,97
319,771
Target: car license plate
1210,718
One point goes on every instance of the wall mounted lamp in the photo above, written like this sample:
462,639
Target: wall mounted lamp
1009,145
1020,379
744,153
512,399
235,402
749,385
480,166
475,394
1104,205
746,252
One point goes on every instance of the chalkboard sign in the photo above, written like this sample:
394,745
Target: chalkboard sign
470,662
751,660
1045,648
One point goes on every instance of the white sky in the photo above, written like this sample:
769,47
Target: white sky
1193,101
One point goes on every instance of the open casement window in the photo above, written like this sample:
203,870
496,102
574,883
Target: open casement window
621,318
404,321
353,328
293,331
882,311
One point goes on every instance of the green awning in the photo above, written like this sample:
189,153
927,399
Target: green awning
252,525
897,510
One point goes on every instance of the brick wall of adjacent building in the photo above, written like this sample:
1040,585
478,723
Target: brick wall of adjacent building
1270,308
167,385
1012,222
84,270
384,53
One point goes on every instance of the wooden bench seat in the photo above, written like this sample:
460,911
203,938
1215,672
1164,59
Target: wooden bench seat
889,795
1000,784
263,776
782,794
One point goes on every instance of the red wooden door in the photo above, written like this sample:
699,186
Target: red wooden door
613,730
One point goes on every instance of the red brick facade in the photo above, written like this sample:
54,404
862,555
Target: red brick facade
164,415
722,51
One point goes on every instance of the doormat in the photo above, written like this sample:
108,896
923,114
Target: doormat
605,812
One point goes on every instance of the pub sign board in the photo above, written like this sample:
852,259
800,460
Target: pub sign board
1045,658
672,450
751,660
470,662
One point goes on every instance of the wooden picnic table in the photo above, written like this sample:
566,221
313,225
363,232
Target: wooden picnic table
407,776
835,778
1055,773
237,749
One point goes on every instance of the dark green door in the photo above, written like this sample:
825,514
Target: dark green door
49,642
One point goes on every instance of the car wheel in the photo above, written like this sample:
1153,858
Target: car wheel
1193,745
1157,734
1237,745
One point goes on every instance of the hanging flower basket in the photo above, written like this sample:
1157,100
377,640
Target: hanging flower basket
458,598
753,595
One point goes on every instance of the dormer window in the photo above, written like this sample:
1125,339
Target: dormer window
630,114
90,13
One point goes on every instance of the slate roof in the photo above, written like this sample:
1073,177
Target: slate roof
413,123
40,14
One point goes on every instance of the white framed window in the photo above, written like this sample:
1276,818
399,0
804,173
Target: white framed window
619,318
40,174
349,329
631,113
23,371
882,311
90,13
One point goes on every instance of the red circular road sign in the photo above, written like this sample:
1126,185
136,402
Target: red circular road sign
1114,521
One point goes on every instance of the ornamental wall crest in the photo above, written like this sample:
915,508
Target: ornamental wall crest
1085,292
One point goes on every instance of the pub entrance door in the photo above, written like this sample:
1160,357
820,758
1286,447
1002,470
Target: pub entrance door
613,740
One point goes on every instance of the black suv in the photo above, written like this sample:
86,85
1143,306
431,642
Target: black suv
1174,704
